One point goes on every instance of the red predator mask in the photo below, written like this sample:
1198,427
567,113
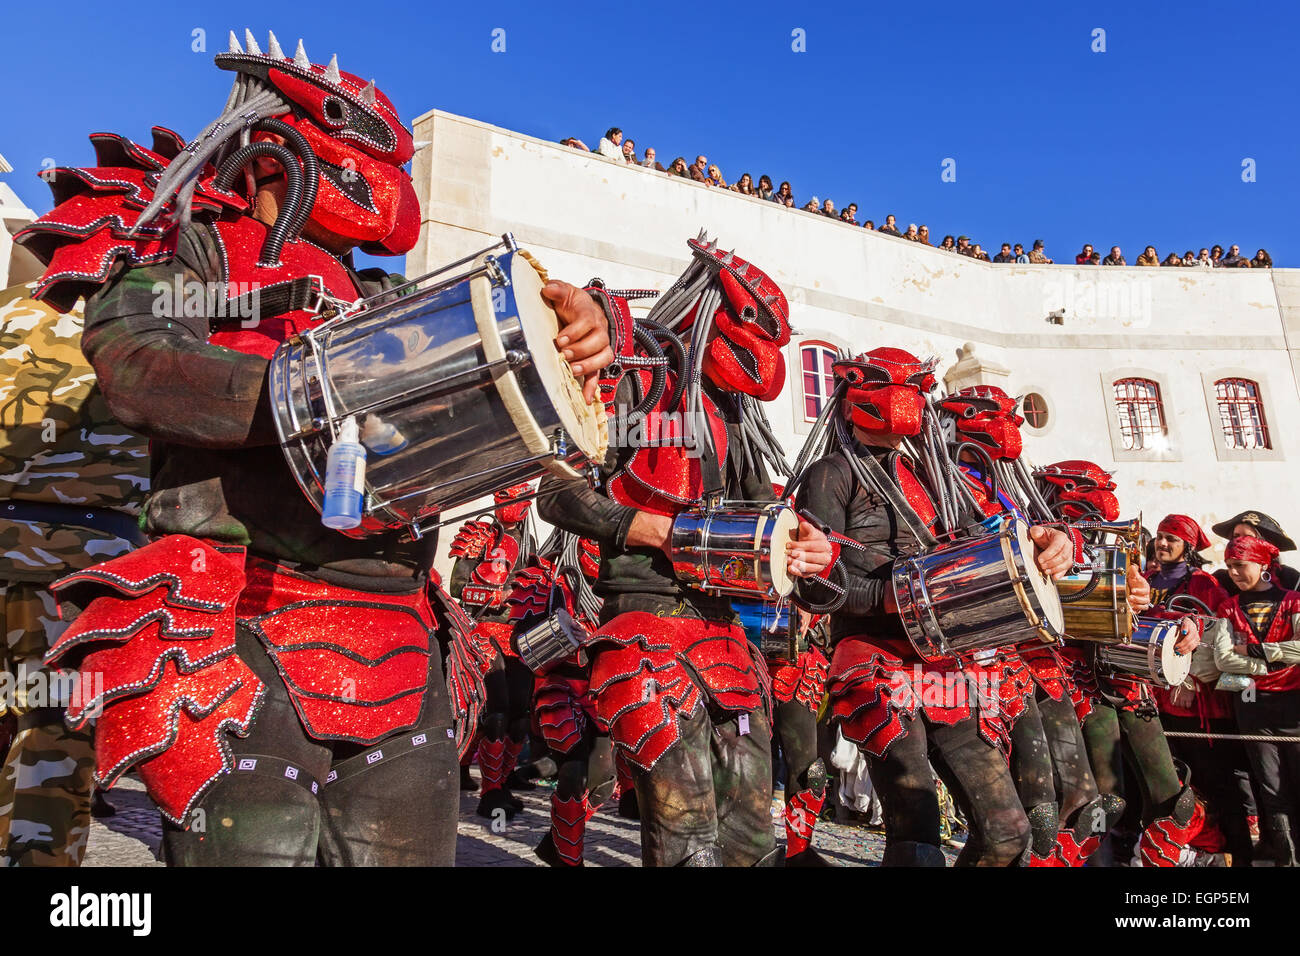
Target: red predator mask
363,193
510,510
1081,488
886,390
750,325
986,415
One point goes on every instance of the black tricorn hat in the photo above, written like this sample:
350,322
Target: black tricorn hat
1269,529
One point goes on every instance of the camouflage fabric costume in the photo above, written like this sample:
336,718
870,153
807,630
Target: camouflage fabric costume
59,448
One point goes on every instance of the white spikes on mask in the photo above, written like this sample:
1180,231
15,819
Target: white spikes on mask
300,57
234,44
251,42
332,70
273,47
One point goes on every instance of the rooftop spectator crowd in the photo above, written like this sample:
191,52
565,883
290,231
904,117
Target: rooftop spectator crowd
614,145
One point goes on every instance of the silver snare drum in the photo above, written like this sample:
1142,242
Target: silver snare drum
977,594
735,548
1148,655
549,642
457,388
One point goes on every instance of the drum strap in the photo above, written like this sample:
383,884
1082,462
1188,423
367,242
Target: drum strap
869,471
299,294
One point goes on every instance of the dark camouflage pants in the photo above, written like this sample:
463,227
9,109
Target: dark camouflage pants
45,785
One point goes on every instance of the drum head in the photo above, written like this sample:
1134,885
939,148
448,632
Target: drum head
1176,667
785,528
1044,588
585,424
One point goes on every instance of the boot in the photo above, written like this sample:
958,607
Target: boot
1163,842
491,764
801,812
562,845
1276,847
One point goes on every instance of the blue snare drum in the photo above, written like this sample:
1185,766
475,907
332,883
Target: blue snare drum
768,629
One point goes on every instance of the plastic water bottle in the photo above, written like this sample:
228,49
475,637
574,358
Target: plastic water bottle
345,479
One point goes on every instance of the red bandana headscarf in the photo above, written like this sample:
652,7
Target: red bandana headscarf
1181,526
1244,547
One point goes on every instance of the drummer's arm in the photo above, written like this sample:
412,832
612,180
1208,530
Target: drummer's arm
155,367
825,494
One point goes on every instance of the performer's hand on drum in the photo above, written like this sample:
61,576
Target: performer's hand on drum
1139,590
1053,550
1191,637
809,554
584,333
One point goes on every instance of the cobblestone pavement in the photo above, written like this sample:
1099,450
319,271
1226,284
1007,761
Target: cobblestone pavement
130,837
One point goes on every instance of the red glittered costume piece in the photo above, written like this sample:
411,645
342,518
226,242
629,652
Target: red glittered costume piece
666,477
801,812
803,680
569,826
355,663
986,415
1163,841
886,390
752,324
563,708
156,640
648,670
901,470
1083,489
513,503
363,193
95,209
875,694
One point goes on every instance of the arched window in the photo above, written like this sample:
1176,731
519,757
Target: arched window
818,383
1241,413
1141,415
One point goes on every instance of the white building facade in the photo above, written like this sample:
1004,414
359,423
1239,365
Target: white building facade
1183,381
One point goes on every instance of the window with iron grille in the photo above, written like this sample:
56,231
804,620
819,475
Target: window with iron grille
1241,413
1035,411
1141,415
816,359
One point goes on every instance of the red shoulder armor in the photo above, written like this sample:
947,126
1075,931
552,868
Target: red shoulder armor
95,208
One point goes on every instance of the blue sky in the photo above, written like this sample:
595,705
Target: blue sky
1143,143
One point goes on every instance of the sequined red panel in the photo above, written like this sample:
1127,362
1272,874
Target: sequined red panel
648,670
872,689
563,708
914,491
1162,843
569,826
665,477
1015,688
497,635
1047,669
1083,682
804,680
95,209
355,663
801,812
241,241
156,643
